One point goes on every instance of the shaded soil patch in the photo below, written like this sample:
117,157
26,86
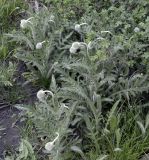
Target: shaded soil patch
10,116
9,131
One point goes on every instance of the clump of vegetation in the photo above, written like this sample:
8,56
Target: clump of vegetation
91,68
10,13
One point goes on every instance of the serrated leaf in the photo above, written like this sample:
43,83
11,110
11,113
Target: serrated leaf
112,113
113,123
118,137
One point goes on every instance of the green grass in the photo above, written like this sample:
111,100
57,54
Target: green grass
10,12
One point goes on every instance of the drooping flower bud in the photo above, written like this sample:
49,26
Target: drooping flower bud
74,47
50,145
41,95
72,50
78,27
24,23
39,45
137,29
77,45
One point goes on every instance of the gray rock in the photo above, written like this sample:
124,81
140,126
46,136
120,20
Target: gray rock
145,157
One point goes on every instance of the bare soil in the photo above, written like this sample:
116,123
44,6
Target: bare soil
10,125
9,131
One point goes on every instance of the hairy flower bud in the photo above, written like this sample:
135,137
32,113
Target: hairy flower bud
39,45
41,95
77,45
24,23
78,27
137,29
74,47
50,145
72,50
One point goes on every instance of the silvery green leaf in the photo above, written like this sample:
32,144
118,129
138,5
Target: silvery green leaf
112,112
147,121
76,149
113,123
102,157
21,107
53,83
118,137
141,127
117,150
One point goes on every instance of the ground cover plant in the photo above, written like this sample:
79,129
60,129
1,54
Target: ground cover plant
10,13
90,68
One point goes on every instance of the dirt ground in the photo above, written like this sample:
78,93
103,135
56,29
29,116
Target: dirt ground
10,125
9,130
